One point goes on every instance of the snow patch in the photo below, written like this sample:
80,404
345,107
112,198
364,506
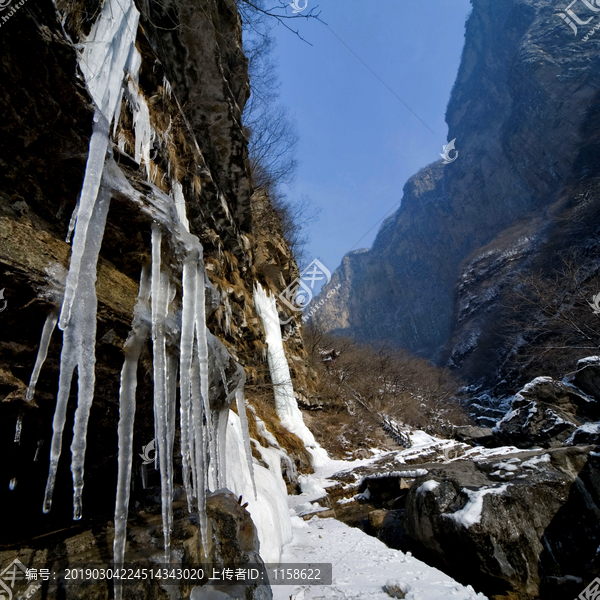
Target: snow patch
362,566
532,463
470,514
428,486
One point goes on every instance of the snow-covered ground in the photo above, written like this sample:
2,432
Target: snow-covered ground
362,566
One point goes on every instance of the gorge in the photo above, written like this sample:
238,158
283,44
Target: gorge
207,426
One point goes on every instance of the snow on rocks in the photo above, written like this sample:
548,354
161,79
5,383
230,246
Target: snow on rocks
471,512
362,566
428,486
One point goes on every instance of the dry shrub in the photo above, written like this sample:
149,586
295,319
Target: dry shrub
376,382
345,435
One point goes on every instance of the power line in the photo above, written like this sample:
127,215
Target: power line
375,74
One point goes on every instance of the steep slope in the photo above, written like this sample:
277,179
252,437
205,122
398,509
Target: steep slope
521,111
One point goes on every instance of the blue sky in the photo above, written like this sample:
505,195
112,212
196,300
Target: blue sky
358,143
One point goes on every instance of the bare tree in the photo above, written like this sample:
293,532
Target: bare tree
554,315
255,13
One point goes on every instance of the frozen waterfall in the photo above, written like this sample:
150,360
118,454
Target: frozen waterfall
285,401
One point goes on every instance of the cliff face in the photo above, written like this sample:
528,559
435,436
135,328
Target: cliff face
193,79
522,111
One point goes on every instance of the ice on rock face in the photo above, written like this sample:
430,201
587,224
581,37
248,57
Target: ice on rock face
106,52
285,401
270,510
181,343
241,409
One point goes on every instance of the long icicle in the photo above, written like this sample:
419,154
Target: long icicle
160,292
105,54
172,365
85,320
202,349
199,453
140,329
186,349
87,201
78,351
47,331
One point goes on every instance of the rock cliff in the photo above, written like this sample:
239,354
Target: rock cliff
188,151
523,111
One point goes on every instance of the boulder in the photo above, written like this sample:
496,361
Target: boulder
498,523
233,540
587,376
545,413
470,434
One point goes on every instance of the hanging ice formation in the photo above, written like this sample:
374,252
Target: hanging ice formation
49,325
285,401
140,329
106,51
109,59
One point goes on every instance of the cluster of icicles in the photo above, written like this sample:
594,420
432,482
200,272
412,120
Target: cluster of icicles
109,58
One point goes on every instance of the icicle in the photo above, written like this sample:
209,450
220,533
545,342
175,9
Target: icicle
18,429
177,193
202,349
37,450
79,341
199,458
172,365
221,437
241,408
160,293
221,447
89,193
102,63
72,222
140,329
167,86
144,475
186,348
47,331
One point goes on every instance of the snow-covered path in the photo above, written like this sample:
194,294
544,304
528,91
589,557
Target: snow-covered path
362,565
